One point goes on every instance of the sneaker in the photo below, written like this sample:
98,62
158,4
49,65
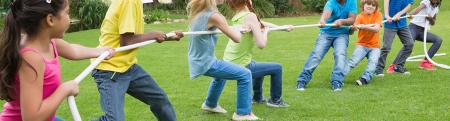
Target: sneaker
391,68
262,101
402,70
336,87
379,73
427,65
217,109
300,86
250,116
277,103
361,81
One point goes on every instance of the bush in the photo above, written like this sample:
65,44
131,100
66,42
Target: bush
281,6
75,6
152,15
264,8
314,5
92,13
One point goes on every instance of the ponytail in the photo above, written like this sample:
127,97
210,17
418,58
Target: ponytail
9,54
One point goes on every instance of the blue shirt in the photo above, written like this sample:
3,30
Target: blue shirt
396,6
339,11
201,47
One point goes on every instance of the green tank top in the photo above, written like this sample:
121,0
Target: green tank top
240,53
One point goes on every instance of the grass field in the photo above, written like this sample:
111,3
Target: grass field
424,95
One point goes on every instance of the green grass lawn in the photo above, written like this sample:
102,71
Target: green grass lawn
424,95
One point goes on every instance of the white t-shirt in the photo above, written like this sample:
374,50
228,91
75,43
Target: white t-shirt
427,10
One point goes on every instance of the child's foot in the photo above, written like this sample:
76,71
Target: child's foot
217,109
391,69
379,73
237,117
261,101
401,70
277,103
336,87
300,86
361,81
427,65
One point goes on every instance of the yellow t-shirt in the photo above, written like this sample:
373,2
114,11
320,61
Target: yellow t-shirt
123,16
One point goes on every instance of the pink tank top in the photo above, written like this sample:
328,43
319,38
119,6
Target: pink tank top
52,79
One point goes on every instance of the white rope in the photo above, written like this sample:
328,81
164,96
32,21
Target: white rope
420,57
425,50
79,78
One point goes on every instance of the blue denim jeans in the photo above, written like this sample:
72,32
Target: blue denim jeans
323,43
259,70
58,119
222,71
360,52
112,87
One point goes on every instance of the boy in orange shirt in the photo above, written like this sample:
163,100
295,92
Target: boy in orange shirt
368,22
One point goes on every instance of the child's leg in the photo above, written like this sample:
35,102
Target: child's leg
230,71
340,45
112,88
358,55
408,44
321,48
432,38
259,70
214,91
373,56
58,119
389,35
144,88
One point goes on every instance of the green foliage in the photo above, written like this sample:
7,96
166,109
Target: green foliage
75,6
226,10
91,13
152,15
264,8
281,6
314,5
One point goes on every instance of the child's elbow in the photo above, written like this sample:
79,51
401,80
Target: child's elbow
261,46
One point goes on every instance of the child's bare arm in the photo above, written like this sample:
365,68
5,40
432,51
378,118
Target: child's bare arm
219,21
399,14
79,52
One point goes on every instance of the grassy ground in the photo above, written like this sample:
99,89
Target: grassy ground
424,95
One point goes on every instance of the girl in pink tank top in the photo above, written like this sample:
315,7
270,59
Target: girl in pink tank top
30,73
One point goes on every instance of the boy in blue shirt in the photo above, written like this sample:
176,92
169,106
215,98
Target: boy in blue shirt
393,10
337,12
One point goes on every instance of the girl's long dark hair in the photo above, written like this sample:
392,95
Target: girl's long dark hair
23,17
238,4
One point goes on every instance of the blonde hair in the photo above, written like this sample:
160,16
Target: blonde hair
194,7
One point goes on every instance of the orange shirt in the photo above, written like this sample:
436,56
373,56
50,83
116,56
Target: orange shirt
367,38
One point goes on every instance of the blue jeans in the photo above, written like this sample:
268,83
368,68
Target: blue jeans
323,43
222,71
112,87
259,70
372,54
58,119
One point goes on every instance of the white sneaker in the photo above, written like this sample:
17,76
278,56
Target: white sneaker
250,117
217,109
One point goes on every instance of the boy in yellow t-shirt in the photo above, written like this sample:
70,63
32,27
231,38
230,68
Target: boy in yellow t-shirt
369,23
124,25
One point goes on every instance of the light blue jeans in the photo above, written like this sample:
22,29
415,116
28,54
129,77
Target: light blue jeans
372,54
222,71
323,43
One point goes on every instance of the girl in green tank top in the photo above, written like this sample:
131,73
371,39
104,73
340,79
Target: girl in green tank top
242,53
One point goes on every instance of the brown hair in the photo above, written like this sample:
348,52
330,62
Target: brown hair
369,2
23,16
239,4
